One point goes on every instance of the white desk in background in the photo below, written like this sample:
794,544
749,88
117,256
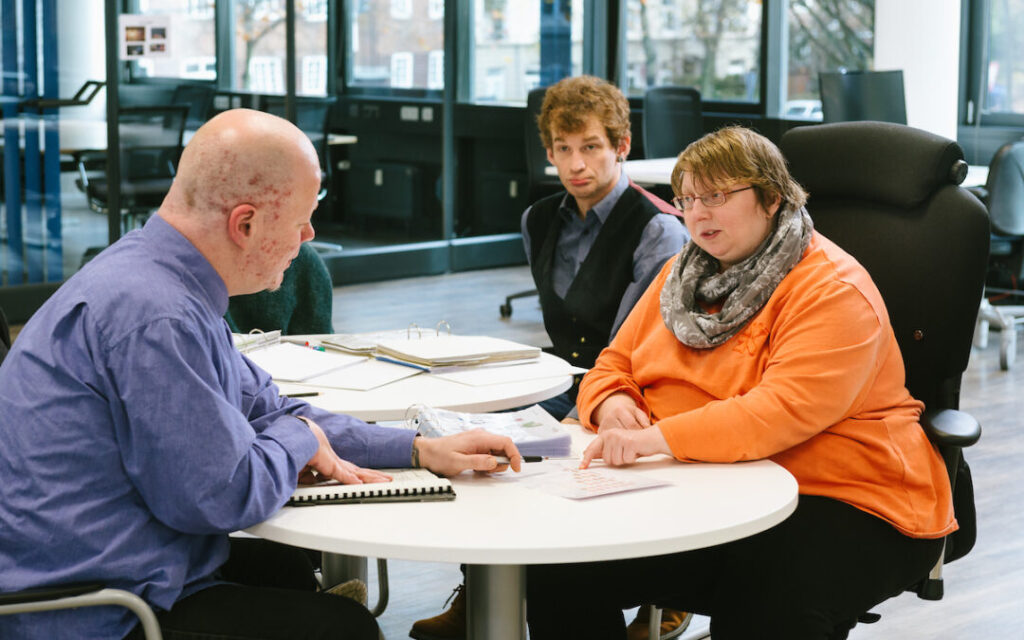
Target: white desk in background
659,171
497,526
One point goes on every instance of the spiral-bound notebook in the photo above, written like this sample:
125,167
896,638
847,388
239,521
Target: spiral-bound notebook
407,485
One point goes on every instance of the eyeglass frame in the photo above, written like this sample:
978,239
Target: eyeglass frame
679,204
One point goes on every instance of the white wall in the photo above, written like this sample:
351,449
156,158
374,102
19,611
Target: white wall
80,49
922,37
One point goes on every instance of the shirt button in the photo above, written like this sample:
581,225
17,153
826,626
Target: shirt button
583,339
575,354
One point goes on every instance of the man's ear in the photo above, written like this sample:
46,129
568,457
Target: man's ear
241,223
623,149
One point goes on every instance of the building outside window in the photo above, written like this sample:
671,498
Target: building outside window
1003,66
260,36
824,35
401,70
391,44
313,79
519,45
713,45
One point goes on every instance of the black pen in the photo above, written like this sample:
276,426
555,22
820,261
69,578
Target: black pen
505,460
302,394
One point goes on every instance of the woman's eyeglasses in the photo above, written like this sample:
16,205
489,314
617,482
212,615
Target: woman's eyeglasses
714,199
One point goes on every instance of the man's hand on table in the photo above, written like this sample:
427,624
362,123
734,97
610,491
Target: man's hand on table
328,466
451,455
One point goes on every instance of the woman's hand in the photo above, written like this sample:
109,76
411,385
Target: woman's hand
623,446
619,411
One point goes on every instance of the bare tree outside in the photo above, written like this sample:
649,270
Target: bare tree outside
826,35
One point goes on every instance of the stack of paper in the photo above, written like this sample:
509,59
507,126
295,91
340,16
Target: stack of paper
287,362
364,344
534,431
448,350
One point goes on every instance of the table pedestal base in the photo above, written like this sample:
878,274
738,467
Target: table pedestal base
496,605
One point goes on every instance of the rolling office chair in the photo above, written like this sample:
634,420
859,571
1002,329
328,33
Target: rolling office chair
198,98
539,183
672,120
1003,194
151,145
312,116
5,337
888,194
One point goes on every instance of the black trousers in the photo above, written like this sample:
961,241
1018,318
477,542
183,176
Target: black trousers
271,595
807,578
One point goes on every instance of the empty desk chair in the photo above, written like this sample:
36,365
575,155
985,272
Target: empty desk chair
151,145
888,194
1003,194
672,120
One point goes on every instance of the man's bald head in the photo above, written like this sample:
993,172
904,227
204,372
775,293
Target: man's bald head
240,157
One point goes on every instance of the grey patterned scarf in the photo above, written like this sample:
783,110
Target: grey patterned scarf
745,287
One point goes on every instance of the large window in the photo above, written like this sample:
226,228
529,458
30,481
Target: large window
824,35
713,45
393,44
521,44
1002,55
191,48
260,46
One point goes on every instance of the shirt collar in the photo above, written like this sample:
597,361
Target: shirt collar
205,279
604,207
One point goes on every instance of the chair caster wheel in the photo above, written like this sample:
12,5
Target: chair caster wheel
506,310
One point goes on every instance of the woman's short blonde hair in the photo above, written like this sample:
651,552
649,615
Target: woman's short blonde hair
569,102
736,154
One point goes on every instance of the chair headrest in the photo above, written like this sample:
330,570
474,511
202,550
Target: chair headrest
886,162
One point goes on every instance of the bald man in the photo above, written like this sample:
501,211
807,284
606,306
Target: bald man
134,437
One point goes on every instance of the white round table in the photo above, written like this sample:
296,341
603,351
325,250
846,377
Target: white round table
498,526
392,401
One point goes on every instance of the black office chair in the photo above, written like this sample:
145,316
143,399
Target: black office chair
312,116
198,98
539,183
5,337
888,194
1003,194
151,145
672,120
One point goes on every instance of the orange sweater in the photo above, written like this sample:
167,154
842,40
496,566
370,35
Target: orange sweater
814,382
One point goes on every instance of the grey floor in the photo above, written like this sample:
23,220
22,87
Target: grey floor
983,590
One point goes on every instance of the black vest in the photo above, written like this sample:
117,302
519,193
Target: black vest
580,325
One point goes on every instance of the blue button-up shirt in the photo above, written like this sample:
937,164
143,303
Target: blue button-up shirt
134,436
662,238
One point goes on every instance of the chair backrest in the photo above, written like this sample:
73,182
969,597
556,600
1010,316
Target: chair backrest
151,140
672,120
1005,186
199,100
888,194
5,337
312,115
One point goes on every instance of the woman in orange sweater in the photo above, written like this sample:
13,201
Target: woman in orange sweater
761,339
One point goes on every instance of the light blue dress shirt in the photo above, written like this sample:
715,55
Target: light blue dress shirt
662,238
134,436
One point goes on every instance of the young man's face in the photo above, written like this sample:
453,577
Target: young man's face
587,162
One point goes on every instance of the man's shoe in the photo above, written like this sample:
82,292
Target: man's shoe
450,625
673,623
354,589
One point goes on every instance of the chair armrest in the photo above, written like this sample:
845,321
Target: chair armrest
951,427
40,594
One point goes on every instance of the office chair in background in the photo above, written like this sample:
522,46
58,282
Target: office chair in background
151,145
312,116
1003,194
888,194
198,98
539,184
75,596
672,120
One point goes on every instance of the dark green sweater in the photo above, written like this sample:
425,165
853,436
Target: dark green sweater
302,304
